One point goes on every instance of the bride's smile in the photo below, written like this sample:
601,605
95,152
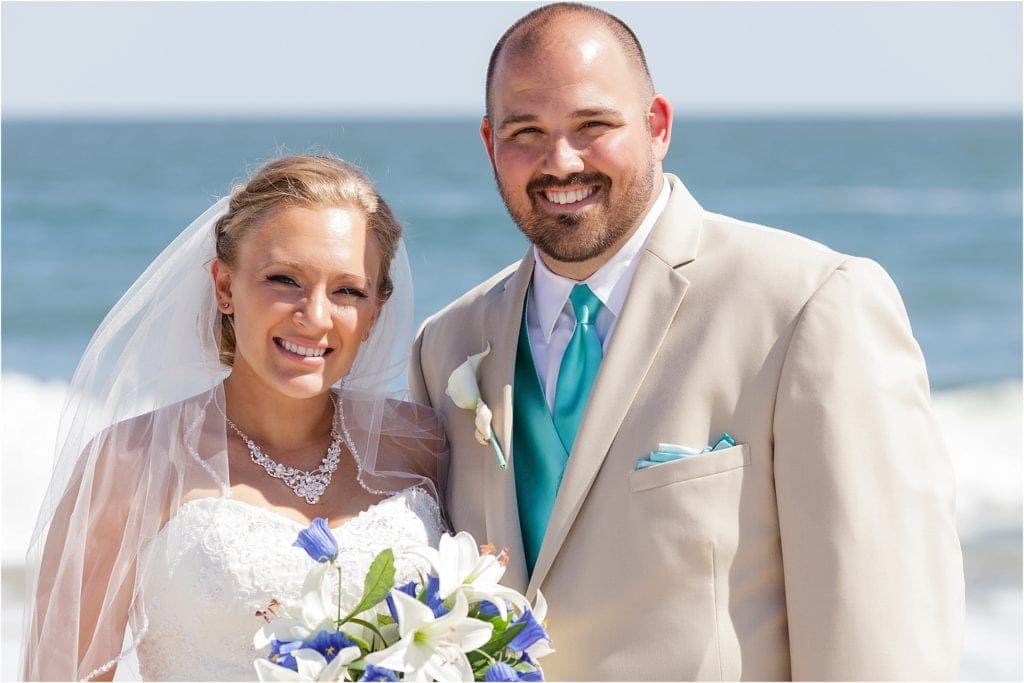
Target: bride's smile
297,350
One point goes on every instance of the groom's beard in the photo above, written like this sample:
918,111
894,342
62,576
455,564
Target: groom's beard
576,237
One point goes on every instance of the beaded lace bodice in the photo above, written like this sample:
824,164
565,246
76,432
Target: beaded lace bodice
231,558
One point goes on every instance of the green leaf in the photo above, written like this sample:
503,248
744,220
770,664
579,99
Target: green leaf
380,579
363,645
368,626
479,663
494,620
497,643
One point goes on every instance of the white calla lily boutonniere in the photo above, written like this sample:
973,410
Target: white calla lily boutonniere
465,393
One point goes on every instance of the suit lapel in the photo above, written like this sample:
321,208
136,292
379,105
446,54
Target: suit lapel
652,303
501,329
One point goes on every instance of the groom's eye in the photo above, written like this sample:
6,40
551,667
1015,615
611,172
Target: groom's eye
522,132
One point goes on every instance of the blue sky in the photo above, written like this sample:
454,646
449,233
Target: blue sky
399,58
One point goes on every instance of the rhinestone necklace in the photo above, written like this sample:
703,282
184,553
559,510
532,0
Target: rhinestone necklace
308,484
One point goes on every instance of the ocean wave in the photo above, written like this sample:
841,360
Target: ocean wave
31,410
981,425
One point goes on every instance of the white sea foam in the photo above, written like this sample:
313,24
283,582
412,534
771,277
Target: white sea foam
982,426
30,410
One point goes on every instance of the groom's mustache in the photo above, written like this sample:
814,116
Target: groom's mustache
547,182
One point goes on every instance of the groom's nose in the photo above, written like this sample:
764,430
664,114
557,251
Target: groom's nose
562,158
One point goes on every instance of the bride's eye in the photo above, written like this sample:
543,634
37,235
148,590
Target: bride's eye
352,291
282,279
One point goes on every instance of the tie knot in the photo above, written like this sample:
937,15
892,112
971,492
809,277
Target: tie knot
585,304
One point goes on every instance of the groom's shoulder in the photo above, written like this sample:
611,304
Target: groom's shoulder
471,305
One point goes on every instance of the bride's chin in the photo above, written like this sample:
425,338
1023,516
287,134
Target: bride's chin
308,388
303,387
284,382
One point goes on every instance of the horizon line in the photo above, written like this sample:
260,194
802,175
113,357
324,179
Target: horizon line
185,116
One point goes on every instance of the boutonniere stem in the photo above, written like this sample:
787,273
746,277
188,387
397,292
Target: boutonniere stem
465,393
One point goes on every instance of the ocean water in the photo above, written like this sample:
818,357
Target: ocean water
87,205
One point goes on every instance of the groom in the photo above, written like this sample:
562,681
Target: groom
722,461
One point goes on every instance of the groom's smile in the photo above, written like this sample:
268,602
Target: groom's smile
565,198
573,196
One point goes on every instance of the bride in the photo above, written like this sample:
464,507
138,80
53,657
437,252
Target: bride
238,390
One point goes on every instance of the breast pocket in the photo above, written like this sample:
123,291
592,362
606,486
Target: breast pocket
688,469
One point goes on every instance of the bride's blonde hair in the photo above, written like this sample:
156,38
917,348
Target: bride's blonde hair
308,181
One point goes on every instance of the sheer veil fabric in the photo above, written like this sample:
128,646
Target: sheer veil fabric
143,431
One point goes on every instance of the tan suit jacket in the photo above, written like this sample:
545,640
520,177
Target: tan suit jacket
823,546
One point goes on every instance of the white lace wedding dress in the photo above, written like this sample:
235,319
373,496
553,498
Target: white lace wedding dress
233,558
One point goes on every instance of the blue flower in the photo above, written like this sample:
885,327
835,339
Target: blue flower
329,643
318,541
534,675
489,609
500,671
531,633
378,673
434,601
409,589
281,653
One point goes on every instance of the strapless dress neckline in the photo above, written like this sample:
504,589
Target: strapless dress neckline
219,560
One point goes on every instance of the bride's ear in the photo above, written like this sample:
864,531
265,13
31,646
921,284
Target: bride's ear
221,274
373,320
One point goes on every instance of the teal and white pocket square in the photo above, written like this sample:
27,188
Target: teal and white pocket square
667,452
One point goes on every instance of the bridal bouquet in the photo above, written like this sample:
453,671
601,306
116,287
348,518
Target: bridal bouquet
456,623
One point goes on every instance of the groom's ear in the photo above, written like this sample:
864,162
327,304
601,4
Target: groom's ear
221,274
485,134
659,123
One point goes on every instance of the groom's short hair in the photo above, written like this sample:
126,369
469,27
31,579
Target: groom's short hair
525,35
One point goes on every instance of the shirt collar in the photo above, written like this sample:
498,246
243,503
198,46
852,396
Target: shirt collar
610,283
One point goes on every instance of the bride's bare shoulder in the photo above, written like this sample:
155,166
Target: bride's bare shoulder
165,428
418,419
413,434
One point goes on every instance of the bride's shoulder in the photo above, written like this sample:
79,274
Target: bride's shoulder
135,436
420,419
416,430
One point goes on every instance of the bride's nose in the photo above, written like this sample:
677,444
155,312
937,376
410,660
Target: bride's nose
314,311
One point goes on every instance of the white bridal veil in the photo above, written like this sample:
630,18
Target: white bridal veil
143,431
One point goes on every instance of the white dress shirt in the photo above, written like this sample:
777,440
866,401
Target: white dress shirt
550,320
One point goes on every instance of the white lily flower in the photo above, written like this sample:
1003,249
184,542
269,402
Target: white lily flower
541,648
462,569
432,648
540,607
318,604
312,666
317,613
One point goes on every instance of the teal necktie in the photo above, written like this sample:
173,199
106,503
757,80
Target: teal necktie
579,365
